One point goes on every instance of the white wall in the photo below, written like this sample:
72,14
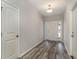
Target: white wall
31,30
51,27
67,31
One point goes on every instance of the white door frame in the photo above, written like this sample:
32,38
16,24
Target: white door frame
3,3
72,8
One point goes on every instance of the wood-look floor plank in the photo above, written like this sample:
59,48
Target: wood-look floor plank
48,50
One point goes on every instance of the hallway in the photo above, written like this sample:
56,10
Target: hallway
38,29
48,50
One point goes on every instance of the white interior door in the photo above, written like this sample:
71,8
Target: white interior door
74,32
10,31
53,30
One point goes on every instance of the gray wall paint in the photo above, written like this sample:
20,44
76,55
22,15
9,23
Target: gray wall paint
67,31
31,30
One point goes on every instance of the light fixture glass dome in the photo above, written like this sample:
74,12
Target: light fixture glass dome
49,11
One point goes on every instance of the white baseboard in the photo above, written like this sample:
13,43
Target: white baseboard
68,52
54,40
22,54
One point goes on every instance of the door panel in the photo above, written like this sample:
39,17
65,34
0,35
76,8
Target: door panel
11,47
51,30
9,31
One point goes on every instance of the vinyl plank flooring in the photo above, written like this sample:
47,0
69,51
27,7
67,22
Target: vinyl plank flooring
48,50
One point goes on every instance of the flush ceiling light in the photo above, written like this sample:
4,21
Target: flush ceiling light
49,10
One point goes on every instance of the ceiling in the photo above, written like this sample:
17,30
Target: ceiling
59,6
42,5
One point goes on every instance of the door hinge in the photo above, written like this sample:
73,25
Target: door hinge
1,34
1,8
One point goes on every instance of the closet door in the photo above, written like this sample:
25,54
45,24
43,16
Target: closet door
9,32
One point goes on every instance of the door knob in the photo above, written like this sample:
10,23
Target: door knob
17,36
72,35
